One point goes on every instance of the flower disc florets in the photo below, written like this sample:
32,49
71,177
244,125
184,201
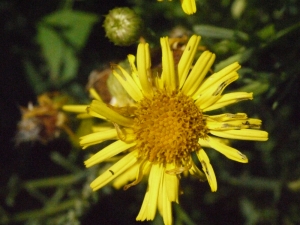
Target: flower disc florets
168,127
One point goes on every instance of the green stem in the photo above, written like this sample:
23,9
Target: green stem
65,163
54,181
44,212
182,216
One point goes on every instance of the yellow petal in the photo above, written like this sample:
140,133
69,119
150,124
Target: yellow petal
75,108
144,68
97,137
158,82
149,206
102,127
84,116
172,182
144,208
206,99
213,79
187,59
188,6
102,109
128,84
125,177
168,69
245,134
204,143
233,124
94,94
92,113
208,170
229,152
118,168
154,182
166,208
134,72
228,117
160,198
229,99
199,71
212,94
108,152
194,170
139,173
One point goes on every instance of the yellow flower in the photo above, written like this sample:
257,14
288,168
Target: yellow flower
167,125
188,6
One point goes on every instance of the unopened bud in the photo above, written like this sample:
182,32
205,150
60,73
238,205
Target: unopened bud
123,26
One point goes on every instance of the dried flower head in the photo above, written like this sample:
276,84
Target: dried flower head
41,122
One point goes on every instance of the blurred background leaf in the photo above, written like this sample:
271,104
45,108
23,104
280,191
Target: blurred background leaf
61,36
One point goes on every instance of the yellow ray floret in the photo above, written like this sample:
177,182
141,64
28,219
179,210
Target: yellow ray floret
188,6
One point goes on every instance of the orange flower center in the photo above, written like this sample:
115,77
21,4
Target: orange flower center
168,127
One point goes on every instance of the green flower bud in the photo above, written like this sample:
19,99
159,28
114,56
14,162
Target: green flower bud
123,26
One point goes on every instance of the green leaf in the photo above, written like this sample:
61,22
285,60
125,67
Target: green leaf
267,32
240,58
287,30
75,25
61,35
257,87
218,32
71,63
34,78
52,49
